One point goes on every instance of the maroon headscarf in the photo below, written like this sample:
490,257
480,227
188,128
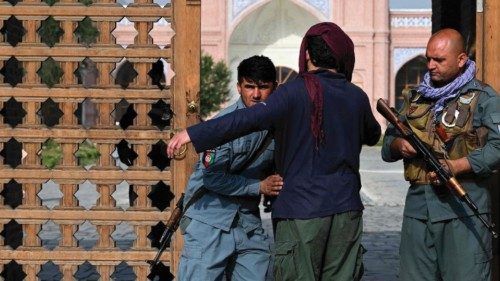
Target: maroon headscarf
343,51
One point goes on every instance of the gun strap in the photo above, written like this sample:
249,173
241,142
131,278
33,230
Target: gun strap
258,152
196,196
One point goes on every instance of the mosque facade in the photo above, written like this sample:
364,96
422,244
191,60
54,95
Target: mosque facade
389,43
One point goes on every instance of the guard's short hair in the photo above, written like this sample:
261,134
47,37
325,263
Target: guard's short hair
320,54
257,68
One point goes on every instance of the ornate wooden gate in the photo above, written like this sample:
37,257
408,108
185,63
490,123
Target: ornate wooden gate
84,184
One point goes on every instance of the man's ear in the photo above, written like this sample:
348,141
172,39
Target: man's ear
462,59
307,55
238,87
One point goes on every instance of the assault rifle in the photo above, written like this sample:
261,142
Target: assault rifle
431,160
173,223
170,228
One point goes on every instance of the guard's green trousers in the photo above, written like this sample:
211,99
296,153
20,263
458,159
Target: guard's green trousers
325,249
451,250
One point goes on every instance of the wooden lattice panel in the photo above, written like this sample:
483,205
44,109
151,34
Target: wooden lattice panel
84,186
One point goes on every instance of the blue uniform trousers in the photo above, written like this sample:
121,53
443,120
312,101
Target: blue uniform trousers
452,250
210,253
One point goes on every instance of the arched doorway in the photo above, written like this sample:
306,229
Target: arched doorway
274,30
409,76
285,74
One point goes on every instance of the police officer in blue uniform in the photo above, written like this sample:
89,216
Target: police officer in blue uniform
458,117
223,234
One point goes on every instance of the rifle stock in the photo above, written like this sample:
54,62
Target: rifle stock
444,175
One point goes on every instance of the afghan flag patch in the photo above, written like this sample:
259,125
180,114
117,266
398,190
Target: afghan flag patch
208,158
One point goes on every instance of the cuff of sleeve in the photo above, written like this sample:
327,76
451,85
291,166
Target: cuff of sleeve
386,149
254,188
192,135
477,168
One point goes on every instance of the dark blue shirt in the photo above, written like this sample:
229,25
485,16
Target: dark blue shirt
317,182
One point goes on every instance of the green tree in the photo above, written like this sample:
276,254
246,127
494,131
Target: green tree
214,86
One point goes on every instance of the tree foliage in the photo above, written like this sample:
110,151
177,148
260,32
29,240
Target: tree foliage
214,86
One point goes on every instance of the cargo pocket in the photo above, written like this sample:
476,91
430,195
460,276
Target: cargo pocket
285,261
191,252
482,267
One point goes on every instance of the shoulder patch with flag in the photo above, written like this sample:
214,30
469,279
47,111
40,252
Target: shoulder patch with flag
208,157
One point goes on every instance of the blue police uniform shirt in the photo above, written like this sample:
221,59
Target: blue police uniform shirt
316,183
232,177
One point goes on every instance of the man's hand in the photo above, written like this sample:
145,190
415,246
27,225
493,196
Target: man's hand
271,186
176,142
455,167
402,148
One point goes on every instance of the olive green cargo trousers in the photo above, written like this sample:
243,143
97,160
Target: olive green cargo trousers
327,248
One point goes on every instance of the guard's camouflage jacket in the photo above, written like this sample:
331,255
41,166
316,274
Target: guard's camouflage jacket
469,126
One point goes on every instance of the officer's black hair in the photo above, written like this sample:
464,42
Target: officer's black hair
257,69
320,54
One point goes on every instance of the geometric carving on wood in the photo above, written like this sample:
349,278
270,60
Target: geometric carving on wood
50,72
13,30
124,195
50,194
124,155
87,113
50,31
12,71
124,114
87,195
50,235
124,32
161,195
87,272
123,272
125,3
13,272
13,153
86,2
87,73
50,272
86,32
161,33
50,2
87,235
51,153
156,233
124,73
124,236
50,113
157,74
13,112
160,114
163,3
87,154
12,193
13,234
159,156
